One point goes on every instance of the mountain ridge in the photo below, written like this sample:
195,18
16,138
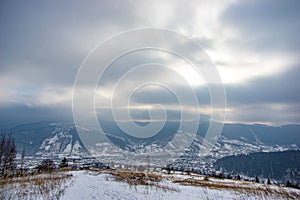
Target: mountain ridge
60,139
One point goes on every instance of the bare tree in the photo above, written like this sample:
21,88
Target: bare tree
22,160
5,155
2,143
8,155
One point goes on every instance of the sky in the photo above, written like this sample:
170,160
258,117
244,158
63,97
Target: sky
254,45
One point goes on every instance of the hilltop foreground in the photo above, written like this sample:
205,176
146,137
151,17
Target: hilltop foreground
116,184
135,185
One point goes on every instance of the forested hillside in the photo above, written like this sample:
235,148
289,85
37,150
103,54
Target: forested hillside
283,166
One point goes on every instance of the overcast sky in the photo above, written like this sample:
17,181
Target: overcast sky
254,44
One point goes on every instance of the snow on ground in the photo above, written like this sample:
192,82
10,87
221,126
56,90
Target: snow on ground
36,186
89,185
101,185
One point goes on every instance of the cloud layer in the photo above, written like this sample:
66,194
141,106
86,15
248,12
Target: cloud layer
254,44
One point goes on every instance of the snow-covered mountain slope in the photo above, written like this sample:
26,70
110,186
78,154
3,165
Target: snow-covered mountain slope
49,139
102,185
61,139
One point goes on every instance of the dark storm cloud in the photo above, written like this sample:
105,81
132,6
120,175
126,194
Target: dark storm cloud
163,96
270,25
45,41
265,113
15,114
282,89
274,100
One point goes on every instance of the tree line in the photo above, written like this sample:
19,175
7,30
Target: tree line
9,166
8,153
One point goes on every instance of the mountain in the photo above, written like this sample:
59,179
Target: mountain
267,135
242,139
61,139
48,139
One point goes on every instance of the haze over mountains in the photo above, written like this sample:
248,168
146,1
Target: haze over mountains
51,139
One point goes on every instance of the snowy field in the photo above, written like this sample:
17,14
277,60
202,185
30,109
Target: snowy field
117,184
101,185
